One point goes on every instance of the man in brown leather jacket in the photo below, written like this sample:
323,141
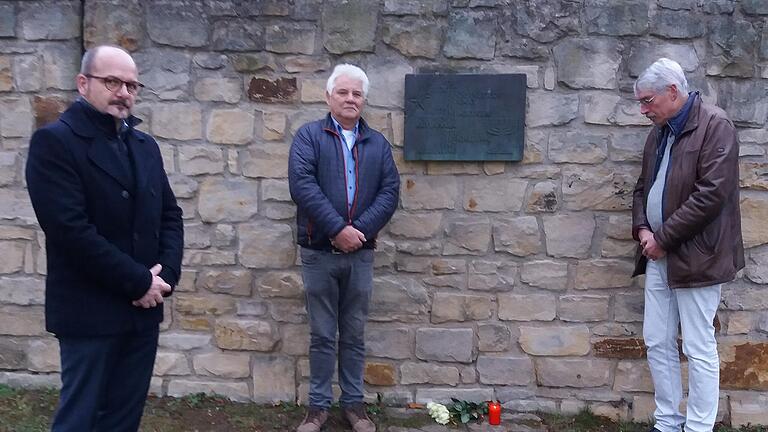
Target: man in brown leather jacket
686,219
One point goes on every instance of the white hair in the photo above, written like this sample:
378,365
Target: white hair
662,73
351,71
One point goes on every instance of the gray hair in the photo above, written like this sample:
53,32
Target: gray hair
662,73
86,64
351,71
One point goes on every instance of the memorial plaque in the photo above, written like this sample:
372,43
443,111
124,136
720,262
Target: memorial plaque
465,117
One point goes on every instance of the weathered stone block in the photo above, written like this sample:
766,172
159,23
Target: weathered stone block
238,35
394,343
281,284
6,74
388,82
22,320
587,63
170,363
265,161
484,194
743,365
236,391
569,235
115,23
577,147
16,118
551,109
491,275
349,26
251,335
459,307
628,307
49,20
208,257
224,365
467,236
505,370
418,7
415,225
493,338
380,374
207,305
617,19
555,340
554,372
398,300
470,34
527,307
295,64
230,127
413,37
440,344
757,267
550,275
676,24
183,341
7,20
598,188
219,90
543,198
232,282
273,379
13,354
583,308
190,26
273,125
731,48
748,409
200,159
544,21
291,38
754,213
231,200
11,261
603,273
428,373
179,121
266,245
518,236
644,52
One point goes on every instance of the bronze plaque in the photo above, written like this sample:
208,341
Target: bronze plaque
465,117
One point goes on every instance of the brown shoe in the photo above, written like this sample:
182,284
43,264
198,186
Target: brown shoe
313,421
359,420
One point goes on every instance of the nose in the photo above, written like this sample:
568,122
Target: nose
643,109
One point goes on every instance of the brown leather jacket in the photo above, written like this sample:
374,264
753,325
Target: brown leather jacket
701,232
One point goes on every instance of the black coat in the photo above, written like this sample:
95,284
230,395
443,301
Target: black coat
104,228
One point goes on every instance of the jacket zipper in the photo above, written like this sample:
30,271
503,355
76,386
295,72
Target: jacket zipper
344,173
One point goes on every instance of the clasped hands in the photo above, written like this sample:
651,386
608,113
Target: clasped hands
154,295
651,248
348,239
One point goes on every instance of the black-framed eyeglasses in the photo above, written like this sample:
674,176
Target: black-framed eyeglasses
646,100
114,84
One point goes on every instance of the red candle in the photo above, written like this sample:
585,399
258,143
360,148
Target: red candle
494,413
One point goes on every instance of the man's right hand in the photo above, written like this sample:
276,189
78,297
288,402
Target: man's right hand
154,295
348,239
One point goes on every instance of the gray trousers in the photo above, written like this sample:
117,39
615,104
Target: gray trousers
338,289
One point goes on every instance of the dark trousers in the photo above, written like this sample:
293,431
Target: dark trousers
338,289
105,380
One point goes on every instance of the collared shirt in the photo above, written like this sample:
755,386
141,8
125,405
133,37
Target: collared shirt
348,138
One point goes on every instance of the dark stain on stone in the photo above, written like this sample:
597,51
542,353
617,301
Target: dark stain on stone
48,108
624,348
409,184
279,90
747,369
472,203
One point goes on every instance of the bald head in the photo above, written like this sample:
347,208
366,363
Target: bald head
95,54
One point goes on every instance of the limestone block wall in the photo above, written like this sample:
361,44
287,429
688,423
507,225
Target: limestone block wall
493,280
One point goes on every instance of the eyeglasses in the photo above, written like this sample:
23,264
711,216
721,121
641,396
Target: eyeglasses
646,100
114,84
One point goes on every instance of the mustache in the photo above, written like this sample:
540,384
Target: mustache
121,103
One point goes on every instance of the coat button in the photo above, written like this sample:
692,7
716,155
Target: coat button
125,194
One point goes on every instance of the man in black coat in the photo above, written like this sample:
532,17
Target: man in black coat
114,241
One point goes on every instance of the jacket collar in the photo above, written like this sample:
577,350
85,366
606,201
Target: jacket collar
688,117
363,130
86,121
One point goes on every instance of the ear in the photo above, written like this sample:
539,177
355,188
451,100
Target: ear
82,84
675,91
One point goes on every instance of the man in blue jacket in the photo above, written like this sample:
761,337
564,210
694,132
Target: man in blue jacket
114,240
345,184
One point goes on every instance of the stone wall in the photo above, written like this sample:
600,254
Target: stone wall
494,280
